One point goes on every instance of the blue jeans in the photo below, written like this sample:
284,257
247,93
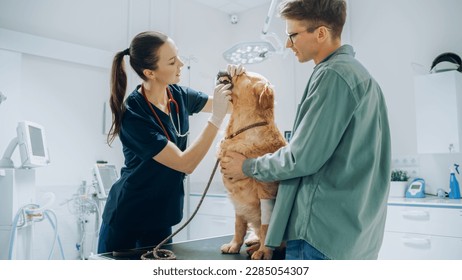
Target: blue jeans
301,250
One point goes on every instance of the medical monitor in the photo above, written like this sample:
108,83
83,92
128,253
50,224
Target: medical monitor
105,176
32,145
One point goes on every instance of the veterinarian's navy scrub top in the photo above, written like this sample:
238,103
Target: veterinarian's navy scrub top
149,195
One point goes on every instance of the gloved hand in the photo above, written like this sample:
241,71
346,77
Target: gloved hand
221,98
235,70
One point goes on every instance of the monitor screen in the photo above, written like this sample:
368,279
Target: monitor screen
38,149
32,145
105,175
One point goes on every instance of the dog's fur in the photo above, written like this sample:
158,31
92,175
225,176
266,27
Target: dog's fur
253,102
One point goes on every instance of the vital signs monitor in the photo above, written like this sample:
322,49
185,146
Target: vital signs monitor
105,176
32,144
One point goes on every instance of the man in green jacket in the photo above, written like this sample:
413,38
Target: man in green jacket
334,173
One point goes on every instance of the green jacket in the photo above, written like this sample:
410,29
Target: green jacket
334,174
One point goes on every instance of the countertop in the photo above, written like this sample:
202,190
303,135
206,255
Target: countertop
428,201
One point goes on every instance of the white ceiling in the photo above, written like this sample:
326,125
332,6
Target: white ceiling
233,6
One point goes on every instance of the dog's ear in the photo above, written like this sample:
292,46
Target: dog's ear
266,95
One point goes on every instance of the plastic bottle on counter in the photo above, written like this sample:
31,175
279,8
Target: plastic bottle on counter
454,190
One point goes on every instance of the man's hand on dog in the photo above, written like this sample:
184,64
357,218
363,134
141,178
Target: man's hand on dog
231,166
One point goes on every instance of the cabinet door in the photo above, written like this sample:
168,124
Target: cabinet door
204,226
405,246
438,99
212,205
215,217
425,220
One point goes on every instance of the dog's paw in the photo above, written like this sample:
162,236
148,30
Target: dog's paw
251,242
231,248
253,248
262,254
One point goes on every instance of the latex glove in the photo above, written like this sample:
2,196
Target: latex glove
235,70
221,98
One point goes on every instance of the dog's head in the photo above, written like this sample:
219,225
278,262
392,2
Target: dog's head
249,90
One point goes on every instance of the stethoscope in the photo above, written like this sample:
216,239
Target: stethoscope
177,109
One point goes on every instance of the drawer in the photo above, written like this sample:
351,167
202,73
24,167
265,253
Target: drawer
212,205
405,246
425,220
203,226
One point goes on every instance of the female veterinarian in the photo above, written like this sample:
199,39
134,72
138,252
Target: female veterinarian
152,124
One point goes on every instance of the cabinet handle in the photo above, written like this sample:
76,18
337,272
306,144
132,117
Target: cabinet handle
416,242
416,215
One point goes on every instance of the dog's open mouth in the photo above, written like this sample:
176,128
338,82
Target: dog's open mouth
224,78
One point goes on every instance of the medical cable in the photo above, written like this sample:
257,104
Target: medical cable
82,204
30,213
47,213
19,214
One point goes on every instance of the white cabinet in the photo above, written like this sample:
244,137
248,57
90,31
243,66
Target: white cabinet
438,99
428,228
214,218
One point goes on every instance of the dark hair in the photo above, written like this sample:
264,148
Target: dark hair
331,13
143,52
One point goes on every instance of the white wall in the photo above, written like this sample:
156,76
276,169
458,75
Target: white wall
390,35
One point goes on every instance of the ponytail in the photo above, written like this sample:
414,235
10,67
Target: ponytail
143,54
118,88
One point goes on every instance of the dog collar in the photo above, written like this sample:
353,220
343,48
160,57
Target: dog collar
246,128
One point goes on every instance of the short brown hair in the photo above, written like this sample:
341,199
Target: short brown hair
330,13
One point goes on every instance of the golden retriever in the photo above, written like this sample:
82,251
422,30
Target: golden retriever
252,132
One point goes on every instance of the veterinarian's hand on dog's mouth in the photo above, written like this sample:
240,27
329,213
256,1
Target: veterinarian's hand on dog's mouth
221,101
231,166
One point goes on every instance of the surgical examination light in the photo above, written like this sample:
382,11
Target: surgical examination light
255,52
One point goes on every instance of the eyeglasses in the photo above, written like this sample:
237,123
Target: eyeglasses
291,36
